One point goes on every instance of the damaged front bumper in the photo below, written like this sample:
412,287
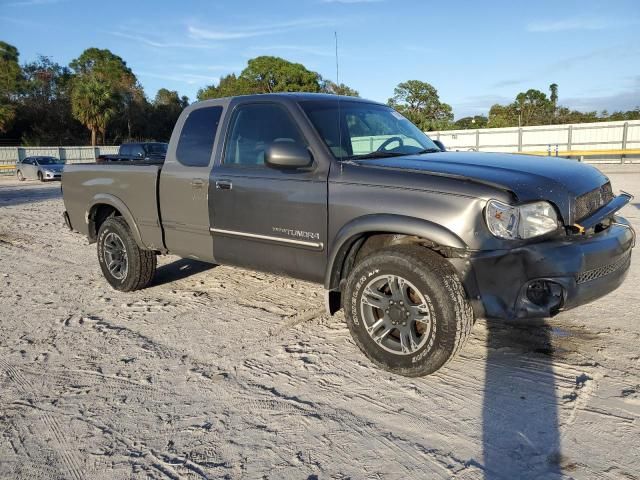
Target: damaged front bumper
541,279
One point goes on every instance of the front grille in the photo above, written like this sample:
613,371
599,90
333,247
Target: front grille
591,201
589,275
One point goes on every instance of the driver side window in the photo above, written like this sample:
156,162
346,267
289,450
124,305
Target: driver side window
254,128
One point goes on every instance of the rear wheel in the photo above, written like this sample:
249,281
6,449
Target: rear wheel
20,176
407,310
124,264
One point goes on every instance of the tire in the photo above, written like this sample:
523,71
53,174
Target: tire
20,176
40,177
124,264
415,306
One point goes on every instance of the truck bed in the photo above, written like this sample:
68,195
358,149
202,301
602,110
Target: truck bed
129,187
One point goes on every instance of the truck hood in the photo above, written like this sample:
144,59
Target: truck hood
527,177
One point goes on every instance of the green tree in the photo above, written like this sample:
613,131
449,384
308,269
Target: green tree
267,75
100,72
10,84
331,87
93,104
553,90
477,121
628,115
420,103
501,116
533,107
228,86
44,108
275,74
166,109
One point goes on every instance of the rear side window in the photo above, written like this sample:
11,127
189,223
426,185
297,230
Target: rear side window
137,151
197,136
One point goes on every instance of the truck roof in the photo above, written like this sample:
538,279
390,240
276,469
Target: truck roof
287,96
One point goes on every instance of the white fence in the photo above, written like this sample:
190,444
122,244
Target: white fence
545,138
9,155
550,138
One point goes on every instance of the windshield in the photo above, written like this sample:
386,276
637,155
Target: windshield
354,130
157,148
49,161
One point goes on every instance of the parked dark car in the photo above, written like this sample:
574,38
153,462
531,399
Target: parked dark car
144,151
41,168
412,242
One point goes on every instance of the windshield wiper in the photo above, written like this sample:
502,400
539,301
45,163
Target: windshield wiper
429,150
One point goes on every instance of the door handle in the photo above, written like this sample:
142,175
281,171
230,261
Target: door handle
224,185
197,183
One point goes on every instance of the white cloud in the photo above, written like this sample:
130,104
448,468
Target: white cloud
578,23
624,100
310,50
26,3
255,31
159,43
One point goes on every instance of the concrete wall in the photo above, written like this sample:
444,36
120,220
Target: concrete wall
9,155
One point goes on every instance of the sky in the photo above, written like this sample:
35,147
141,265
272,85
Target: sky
476,53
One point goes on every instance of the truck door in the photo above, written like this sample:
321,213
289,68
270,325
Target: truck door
184,184
266,218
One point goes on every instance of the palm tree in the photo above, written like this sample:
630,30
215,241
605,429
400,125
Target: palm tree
553,88
93,104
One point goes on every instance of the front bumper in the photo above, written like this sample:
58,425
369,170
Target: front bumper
52,175
541,279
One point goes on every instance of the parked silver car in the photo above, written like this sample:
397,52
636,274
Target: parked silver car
40,168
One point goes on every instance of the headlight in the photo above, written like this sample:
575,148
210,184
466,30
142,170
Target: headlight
520,222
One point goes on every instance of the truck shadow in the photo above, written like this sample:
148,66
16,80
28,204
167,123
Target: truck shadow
19,195
178,270
520,433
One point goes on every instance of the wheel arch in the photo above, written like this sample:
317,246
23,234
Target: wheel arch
105,205
377,231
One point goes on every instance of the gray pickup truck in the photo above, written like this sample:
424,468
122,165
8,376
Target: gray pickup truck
411,241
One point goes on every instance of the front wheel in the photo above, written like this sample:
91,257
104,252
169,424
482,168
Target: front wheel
407,310
40,177
124,264
20,176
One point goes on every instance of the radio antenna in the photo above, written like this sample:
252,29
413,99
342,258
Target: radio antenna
337,67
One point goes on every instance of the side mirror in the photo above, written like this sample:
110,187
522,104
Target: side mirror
440,145
287,155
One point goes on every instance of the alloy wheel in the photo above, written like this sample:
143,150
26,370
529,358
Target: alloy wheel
397,315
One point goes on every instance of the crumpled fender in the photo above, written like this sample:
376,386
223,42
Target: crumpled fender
383,223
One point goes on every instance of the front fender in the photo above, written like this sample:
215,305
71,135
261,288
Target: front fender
115,202
383,223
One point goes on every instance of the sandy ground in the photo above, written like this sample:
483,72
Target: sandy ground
217,372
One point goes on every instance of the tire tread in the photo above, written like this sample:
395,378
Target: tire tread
142,263
422,257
